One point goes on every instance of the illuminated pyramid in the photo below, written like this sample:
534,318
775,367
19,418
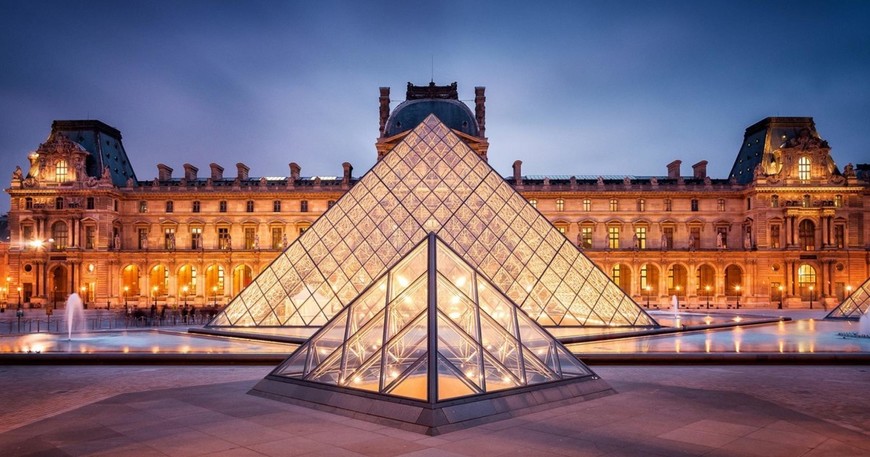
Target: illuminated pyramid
431,346
432,182
856,304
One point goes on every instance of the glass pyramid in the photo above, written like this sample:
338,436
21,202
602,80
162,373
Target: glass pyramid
854,305
432,328
432,182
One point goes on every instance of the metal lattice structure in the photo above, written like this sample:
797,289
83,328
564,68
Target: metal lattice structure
432,182
855,305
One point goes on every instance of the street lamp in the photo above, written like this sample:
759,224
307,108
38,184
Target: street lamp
708,296
780,297
19,297
126,289
214,291
848,291
812,295
184,293
84,296
648,290
155,295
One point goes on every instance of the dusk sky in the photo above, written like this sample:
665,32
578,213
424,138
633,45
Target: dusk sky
572,87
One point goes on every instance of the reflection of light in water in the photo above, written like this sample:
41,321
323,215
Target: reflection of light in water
677,345
707,344
155,349
708,319
781,346
126,350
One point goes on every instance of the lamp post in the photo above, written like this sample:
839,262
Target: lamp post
737,288
648,289
780,297
19,296
84,290
184,294
848,291
126,289
708,296
812,295
155,295
214,291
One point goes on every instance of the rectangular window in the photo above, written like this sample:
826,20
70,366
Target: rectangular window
695,238
89,203
614,205
276,206
615,274
60,171
774,236
748,204
277,237
774,201
196,238
26,234
720,205
170,206
668,238
644,274
303,206
250,234
58,203
641,205
222,206
694,204
534,203
560,205
90,237
668,204
249,206
838,201
28,203
587,205
224,241
640,233
143,238
804,169
586,237
115,205
169,238
302,230
143,206
613,237
840,236
562,229
195,206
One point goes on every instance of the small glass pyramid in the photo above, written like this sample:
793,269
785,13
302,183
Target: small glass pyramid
854,305
432,329
432,182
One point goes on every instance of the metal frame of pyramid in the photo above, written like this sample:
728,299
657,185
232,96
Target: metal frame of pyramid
432,346
431,181
855,305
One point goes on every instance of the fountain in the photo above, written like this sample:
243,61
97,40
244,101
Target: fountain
74,314
675,303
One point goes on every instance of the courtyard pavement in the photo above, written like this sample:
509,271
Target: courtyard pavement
659,411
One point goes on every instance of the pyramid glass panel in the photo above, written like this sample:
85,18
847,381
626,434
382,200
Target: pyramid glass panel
432,181
855,305
387,346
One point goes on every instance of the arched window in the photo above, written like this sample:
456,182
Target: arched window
806,280
804,168
807,235
60,235
60,171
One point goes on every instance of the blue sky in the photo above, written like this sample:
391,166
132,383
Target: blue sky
572,87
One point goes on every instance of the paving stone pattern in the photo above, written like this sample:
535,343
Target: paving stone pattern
809,411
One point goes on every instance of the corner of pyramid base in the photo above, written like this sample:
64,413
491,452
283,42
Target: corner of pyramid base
432,419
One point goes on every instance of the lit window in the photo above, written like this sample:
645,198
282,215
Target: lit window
838,201
224,240
586,237
534,203
668,204
806,201
60,171
613,237
641,205
196,238
587,205
806,280
562,229
804,168
720,205
560,205
640,232
143,206
249,206
60,235
169,238
644,275
614,205
615,273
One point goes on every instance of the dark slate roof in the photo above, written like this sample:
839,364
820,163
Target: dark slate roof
452,113
103,142
763,137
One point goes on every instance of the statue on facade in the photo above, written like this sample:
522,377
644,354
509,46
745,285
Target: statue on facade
664,242
849,170
635,241
256,244
747,239
171,241
720,241
117,242
107,174
17,175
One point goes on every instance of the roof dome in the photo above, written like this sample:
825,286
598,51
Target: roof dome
452,113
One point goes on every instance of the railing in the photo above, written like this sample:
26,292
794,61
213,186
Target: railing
31,322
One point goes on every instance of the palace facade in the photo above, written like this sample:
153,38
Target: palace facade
787,227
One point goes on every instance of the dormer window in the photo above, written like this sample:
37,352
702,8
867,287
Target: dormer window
60,171
804,168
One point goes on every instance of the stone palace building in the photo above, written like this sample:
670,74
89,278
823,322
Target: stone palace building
788,226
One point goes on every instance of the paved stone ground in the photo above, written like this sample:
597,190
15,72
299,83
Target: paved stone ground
660,411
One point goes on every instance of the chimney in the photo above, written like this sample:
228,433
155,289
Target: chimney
480,109
190,172
674,169
348,169
217,171
518,172
164,173
294,171
384,100
700,169
242,170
